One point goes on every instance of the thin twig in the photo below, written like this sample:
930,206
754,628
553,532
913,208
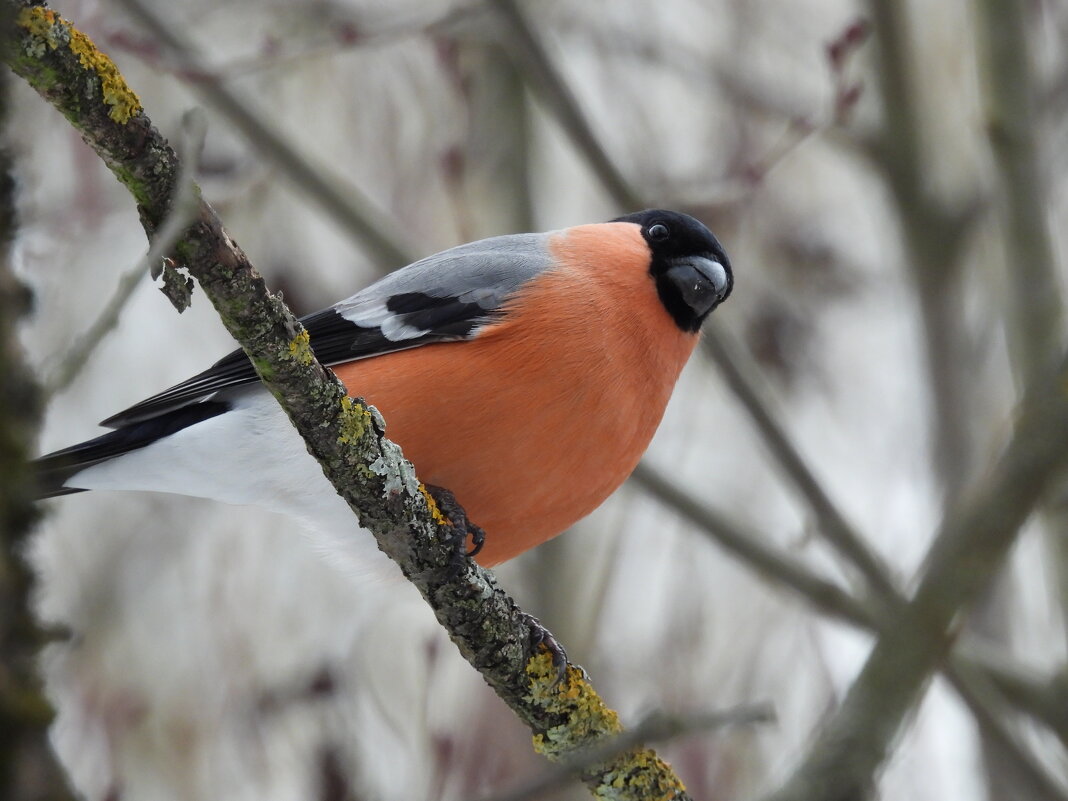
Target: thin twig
655,729
1036,311
990,709
1034,308
832,525
1045,702
538,68
183,210
350,208
1045,699
934,237
753,549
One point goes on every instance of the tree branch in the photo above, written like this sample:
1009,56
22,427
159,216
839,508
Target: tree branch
538,68
345,435
933,236
353,210
1045,702
832,524
183,208
656,728
969,549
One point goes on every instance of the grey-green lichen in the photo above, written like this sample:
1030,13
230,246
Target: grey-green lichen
398,474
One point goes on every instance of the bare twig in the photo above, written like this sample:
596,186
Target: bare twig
342,28
1034,308
183,211
546,80
656,728
1045,702
832,525
752,549
934,236
992,713
350,208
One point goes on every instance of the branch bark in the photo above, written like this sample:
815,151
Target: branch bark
345,435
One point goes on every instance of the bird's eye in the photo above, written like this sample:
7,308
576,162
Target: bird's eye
659,232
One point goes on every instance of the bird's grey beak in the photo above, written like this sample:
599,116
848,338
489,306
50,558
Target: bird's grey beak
702,282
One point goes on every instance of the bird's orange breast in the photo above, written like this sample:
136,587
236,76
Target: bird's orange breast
538,419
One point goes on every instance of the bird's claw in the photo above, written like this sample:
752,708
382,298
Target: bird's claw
461,524
539,635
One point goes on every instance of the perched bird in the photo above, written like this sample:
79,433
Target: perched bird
524,373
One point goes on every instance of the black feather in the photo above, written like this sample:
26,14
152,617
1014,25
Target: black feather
54,469
334,339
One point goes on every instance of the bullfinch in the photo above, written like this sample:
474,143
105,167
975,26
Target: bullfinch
524,373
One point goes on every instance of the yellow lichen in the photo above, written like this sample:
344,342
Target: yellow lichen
644,775
54,30
124,103
432,505
40,22
300,348
638,773
354,421
585,715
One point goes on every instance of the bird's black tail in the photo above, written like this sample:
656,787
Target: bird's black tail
56,469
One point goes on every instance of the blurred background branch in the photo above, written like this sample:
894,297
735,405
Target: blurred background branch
352,209
183,209
28,770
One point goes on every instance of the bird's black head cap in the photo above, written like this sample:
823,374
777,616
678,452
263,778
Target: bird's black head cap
692,272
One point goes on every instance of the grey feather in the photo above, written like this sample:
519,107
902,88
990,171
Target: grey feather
484,272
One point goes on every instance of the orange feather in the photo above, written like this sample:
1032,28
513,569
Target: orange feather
536,421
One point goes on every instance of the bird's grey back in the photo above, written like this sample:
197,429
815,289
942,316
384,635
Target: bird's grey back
485,272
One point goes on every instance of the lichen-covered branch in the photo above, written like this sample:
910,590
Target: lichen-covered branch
343,434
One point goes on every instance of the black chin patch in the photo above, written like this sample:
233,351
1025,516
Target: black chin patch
672,237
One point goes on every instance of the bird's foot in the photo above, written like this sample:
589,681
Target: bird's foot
539,635
464,527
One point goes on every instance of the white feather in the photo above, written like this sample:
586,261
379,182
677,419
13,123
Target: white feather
214,459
